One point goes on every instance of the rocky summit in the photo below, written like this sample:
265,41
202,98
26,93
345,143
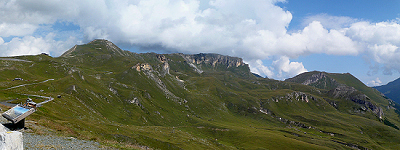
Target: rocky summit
128,100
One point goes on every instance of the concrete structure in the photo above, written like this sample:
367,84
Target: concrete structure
10,140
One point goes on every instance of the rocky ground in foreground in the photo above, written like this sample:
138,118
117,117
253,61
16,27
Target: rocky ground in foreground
46,139
34,141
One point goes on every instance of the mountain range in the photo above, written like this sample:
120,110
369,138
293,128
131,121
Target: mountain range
391,90
196,101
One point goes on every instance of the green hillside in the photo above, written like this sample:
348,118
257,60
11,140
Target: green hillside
201,101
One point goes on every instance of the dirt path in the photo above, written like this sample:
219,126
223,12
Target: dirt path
28,84
13,59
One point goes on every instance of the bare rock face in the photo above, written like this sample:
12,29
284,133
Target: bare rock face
214,59
296,95
337,90
165,66
68,53
314,78
350,93
10,139
142,67
343,91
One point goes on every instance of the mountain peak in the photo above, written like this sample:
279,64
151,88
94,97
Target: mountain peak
95,47
315,78
100,42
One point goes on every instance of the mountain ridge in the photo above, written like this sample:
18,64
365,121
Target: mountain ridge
390,90
100,46
198,101
339,89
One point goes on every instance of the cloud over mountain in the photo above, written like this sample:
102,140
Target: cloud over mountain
254,30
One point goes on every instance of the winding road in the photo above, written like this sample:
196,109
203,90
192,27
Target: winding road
38,104
28,84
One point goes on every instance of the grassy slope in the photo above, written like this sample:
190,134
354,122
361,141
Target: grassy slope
222,109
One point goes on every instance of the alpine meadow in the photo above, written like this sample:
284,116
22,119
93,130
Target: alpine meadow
128,100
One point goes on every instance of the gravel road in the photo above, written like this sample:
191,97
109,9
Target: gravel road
39,142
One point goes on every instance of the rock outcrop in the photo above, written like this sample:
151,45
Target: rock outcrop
165,66
350,93
296,95
337,90
317,79
142,67
314,78
214,60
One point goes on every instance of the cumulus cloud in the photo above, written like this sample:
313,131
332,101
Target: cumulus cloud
286,68
254,30
26,46
30,45
376,82
280,68
380,42
258,67
7,30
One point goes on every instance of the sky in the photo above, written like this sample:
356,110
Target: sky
277,38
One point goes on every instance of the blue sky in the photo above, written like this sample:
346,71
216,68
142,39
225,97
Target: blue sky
277,38
367,10
371,10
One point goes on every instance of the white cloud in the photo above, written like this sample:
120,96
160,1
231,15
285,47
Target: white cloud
376,82
280,68
30,45
182,26
259,68
379,41
286,68
254,30
7,30
330,22
316,39
376,33
26,46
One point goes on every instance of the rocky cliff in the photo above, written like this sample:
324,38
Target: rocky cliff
338,90
350,93
214,60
